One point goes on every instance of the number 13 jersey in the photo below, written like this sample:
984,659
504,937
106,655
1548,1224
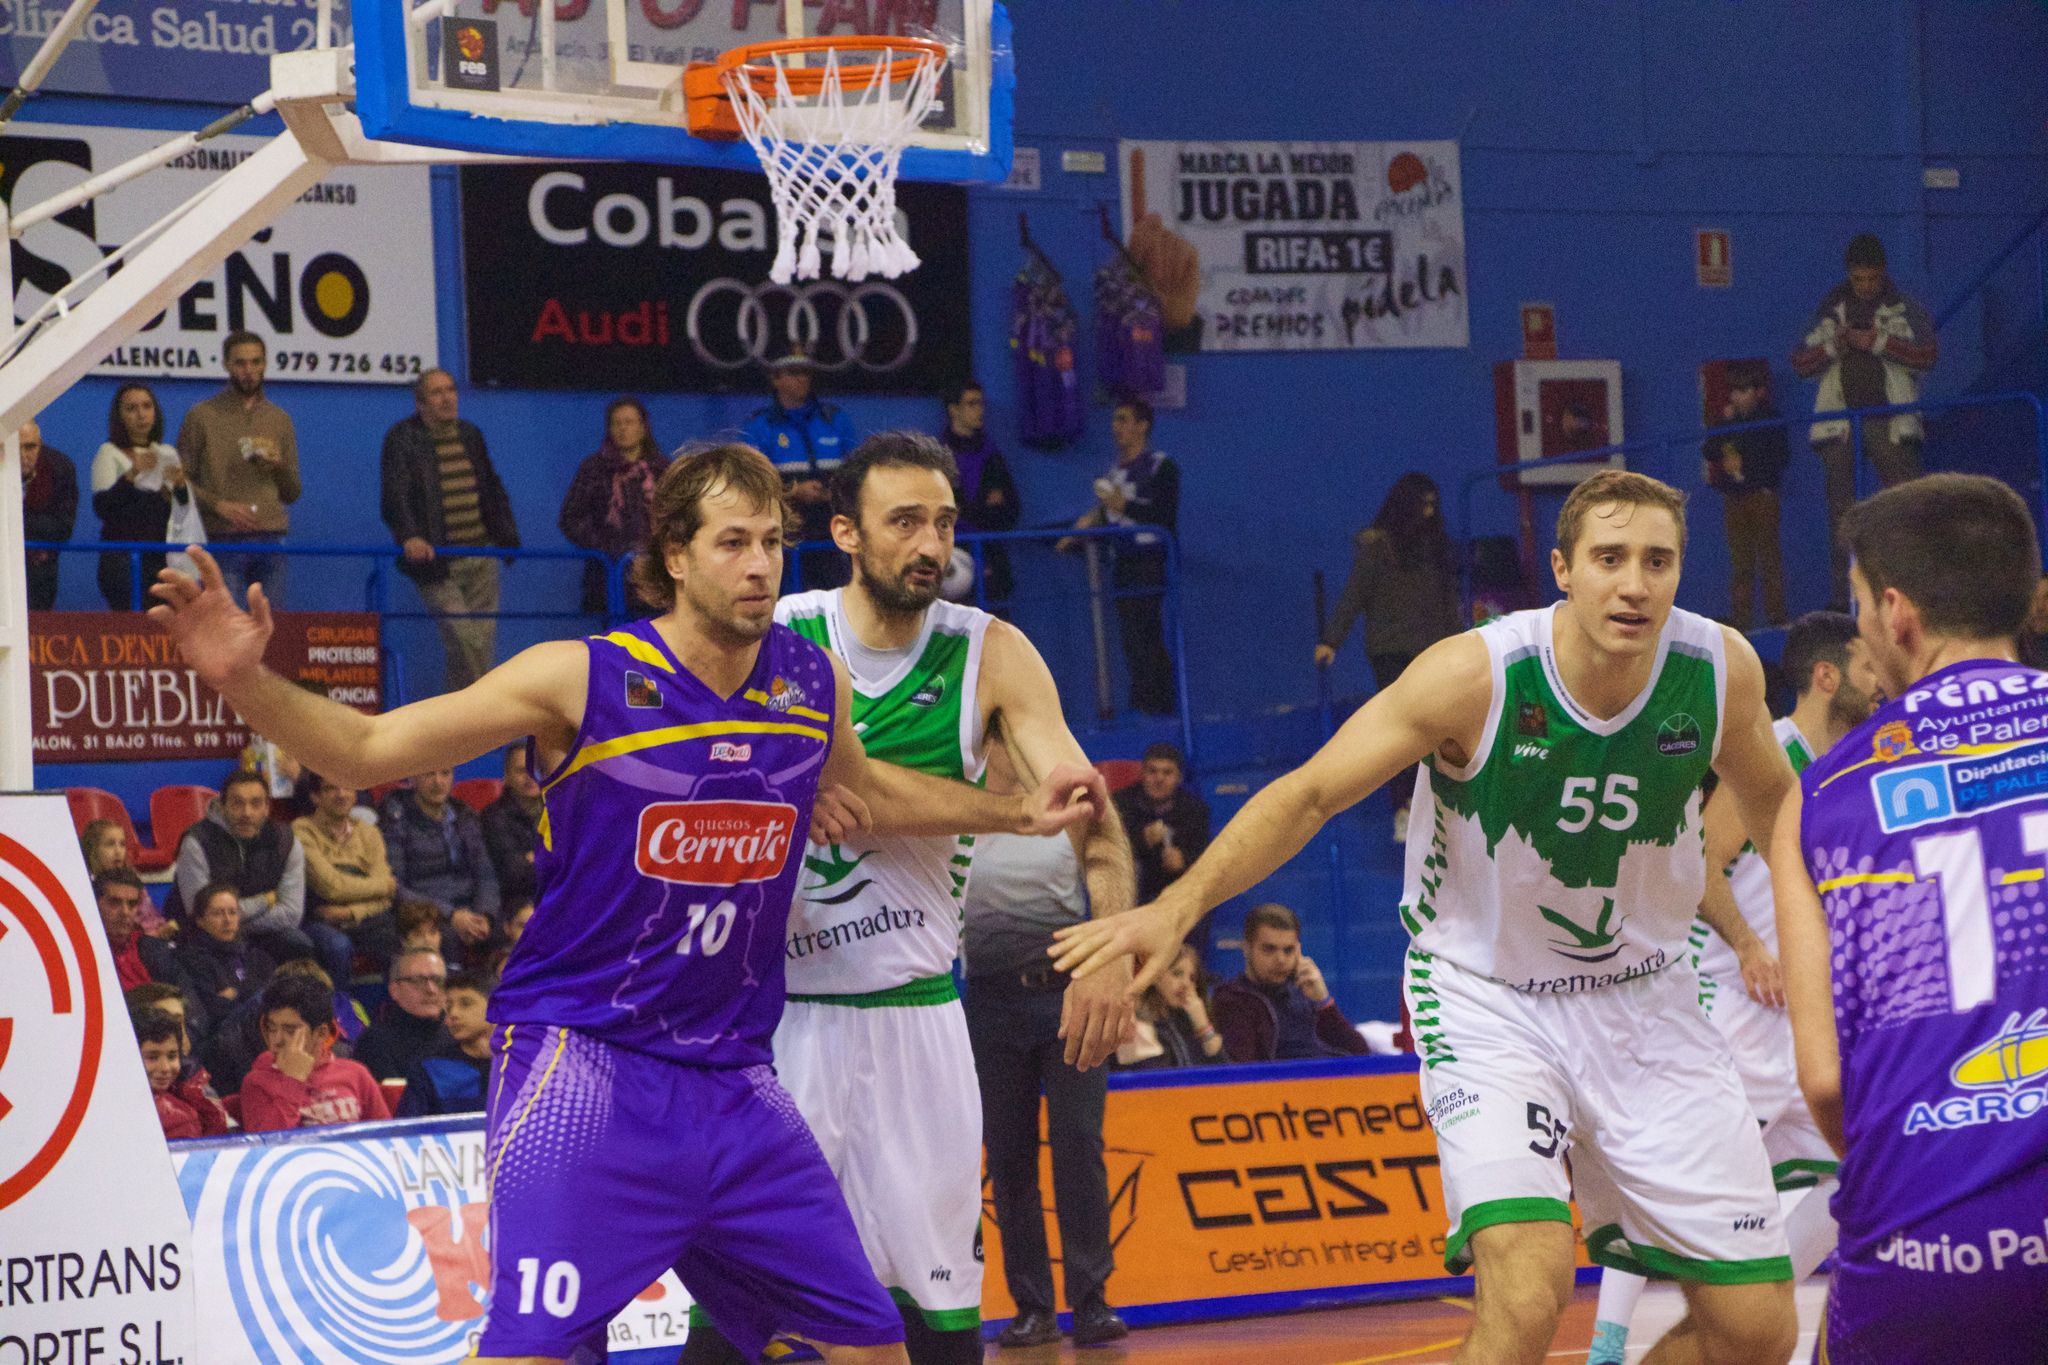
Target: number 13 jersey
1567,855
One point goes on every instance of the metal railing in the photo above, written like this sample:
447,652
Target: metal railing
1693,440
383,559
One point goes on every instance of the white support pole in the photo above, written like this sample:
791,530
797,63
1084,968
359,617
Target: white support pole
242,202
153,159
17,736
46,57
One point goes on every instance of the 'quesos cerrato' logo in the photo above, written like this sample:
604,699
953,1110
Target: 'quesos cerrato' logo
50,1034
715,843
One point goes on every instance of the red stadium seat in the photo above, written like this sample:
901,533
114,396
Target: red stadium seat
478,792
1119,772
173,810
91,803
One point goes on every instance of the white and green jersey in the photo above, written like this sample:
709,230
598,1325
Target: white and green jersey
882,913
1567,855
1749,879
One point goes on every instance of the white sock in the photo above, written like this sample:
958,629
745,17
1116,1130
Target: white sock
1619,1291
1810,1227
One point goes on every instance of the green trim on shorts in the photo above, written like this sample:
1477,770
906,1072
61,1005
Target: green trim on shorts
926,990
1652,1263
1527,1210
938,1319
1801,1173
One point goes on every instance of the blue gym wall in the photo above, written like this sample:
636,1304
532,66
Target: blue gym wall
1595,139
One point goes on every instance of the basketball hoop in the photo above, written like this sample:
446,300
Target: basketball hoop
830,136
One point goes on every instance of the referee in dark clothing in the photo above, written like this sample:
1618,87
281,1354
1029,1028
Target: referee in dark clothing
1022,890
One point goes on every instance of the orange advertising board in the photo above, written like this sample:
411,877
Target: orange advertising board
1298,1178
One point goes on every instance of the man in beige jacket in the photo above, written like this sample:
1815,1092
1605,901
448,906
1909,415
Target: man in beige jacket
349,882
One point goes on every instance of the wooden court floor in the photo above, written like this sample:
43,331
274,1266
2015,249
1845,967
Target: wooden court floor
1425,1332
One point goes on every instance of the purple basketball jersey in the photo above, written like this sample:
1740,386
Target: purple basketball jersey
1926,832
671,840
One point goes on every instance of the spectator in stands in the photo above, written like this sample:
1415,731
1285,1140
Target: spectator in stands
240,844
1168,825
298,1082
349,882
988,492
1404,582
1868,345
456,1079
1746,468
806,439
1022,891
49,508
241,457
219,964
1173,1028
236,1041
1142,488
138,958
1280,1009
419,925
512,830
162,995
440,489
139,492
436,847
606,506
184,1106
410,1027
105,845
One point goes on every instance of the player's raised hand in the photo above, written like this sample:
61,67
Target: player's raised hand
1763,978
1097,1016
1148,937
1071,794
218,639
838,814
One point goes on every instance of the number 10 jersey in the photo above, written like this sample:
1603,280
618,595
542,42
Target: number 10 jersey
1567,855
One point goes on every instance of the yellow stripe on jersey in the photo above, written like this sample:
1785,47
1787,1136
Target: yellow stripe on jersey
1959,751
2025,874
1868,879
677,734
638,648
561,1041
756,696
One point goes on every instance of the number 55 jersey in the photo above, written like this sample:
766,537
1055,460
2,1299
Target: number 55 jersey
1926,834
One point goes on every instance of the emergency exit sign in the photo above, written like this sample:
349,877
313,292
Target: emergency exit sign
1713,266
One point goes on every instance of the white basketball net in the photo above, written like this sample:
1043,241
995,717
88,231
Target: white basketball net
832,157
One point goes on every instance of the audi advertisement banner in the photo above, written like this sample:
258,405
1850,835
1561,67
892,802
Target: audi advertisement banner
655,278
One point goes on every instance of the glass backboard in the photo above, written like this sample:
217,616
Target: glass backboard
602,79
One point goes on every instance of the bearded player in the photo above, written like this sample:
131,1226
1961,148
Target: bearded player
874,1045
1735,947
1909,871
1554,869
634,1123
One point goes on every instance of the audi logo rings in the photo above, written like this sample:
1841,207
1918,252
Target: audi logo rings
830,321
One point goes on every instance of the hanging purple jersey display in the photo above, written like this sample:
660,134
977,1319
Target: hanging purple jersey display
1042,330
671,839
1129,335
1926,833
